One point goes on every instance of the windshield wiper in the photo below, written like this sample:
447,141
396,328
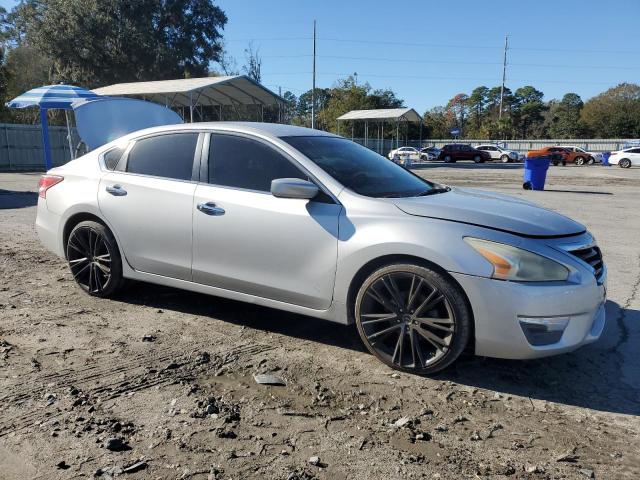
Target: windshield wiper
434,191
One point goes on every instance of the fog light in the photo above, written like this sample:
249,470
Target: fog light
543,330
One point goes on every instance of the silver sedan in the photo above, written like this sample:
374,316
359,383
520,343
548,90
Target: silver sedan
312,223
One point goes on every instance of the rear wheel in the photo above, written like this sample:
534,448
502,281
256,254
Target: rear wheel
448,159
591,161
478,159
504,158
579,161
94,259
412,318
625,163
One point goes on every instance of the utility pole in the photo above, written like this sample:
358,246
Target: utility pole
504,74
313,89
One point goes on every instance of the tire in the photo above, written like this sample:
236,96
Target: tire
625,163
504,158
396,335
478,159
102,275
527,186
579,161
591,161
448,159
555,163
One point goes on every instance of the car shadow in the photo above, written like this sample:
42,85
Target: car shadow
589,192
590,377
12,199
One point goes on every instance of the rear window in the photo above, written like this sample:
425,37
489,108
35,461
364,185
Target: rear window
112,157
168,155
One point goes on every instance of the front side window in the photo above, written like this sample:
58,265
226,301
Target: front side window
360,169
168,155
241,162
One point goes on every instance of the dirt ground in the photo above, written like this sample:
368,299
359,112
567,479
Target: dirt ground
158,383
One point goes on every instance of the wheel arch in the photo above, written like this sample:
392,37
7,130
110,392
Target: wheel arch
74,220
378,262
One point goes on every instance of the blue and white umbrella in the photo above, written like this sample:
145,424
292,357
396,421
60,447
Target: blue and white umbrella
52,97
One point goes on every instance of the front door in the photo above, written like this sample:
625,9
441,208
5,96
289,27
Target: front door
148,203
247,240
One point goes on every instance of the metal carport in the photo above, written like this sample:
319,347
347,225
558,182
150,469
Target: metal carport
235,91
380,116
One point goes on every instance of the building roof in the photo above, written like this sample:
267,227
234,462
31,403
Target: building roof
396,114
233,90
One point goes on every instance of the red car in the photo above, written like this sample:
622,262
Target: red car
459,151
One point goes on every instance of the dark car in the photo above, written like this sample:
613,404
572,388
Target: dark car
458,151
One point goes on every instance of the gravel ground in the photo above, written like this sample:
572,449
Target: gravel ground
159,383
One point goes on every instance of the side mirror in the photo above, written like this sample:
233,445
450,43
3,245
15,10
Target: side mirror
293,188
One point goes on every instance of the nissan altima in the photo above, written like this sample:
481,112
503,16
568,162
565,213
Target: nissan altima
308,222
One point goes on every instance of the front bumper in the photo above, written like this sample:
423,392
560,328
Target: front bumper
499,306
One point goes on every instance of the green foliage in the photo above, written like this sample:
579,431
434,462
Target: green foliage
614,113
98,42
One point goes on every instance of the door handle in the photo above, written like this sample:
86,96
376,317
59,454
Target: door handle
116,190
210,209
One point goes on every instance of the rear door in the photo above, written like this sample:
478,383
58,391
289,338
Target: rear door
279,248
148,202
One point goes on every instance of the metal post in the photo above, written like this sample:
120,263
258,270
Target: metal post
382,153
338,124
504,74
6,136
262,113
220,112
366,133
45,138
313,88
397,132
353,124
66,116
190,107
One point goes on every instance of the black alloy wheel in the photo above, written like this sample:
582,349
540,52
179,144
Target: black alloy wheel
412,318
94,259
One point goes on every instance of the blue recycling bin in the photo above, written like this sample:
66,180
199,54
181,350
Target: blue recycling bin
605,158
535,172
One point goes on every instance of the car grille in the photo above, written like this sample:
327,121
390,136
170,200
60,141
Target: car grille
593,256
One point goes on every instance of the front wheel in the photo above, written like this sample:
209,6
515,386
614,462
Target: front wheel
94,259
591,161
625,163
412,318
504,158
579,161
448,159
478,159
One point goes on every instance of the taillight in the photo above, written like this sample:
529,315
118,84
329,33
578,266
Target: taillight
613,153
46,182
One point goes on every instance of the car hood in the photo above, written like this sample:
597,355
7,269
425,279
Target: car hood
491,210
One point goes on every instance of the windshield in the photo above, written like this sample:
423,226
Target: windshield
360,169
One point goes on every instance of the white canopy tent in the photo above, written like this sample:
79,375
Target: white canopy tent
234,91
379,117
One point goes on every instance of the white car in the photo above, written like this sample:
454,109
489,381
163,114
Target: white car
626,158
588,158
499,153
404,154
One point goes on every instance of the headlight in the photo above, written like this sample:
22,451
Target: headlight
511,263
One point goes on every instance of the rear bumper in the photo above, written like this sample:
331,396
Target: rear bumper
500,307
47,226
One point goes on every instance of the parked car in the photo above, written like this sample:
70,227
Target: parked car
399,155
308,222
626,158
580,156
496,152
556,154
459,151
429,154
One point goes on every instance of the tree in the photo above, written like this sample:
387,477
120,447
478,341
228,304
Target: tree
93,43
564,122
289,107
457,108
254,63
477,103
527,111
436,123
614,113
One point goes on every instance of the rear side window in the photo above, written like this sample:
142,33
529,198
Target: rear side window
169,156
112,157
241,162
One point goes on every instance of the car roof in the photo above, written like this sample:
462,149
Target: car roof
266,129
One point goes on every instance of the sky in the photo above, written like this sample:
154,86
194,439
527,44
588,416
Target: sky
429,51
